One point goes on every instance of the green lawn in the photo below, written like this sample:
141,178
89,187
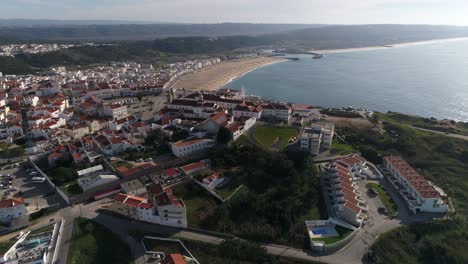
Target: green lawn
274,136
47,228
167,247
199,204
427,123
385,198
340,148
209,253
243,141
94,244
121,163
229,189
342,232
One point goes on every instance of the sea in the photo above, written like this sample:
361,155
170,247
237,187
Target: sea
429,80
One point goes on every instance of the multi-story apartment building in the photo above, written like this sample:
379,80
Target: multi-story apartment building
317,137
420,194
277,112
115,111
343,195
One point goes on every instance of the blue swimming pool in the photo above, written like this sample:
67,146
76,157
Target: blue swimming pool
322,231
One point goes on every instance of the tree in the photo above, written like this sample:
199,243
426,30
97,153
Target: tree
224,135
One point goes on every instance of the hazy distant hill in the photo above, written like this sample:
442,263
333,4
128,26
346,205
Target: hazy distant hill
228,39
331,37
52,22
124,31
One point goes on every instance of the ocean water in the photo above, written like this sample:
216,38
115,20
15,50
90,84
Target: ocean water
429,80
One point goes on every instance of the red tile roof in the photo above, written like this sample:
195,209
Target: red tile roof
419,183
193,166
171,172
12,202
174,259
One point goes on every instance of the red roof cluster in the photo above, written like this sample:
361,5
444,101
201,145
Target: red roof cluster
418,182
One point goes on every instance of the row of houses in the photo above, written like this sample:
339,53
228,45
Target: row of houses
160,206
339,180
419,194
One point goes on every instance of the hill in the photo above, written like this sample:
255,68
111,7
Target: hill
124,31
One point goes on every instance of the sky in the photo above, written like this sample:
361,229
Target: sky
446,12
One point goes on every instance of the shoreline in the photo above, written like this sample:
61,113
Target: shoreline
217,76
251,70
388,46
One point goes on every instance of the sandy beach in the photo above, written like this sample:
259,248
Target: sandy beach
396,45
217,76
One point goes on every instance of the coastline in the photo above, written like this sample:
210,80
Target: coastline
387,46
217,76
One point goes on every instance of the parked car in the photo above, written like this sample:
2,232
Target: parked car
382,210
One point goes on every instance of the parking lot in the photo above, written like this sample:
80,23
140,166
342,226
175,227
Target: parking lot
19,184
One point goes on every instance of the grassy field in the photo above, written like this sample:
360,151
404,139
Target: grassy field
443,161
5,246
274,136
209,253
427,123
199,204
385,198
342,232
121,163
94,244
47,228
243,140
167,247
340,148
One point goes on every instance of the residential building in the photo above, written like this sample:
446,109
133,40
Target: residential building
95,180
213,181
344,197
193,168
191,146
277,112
171,210
419,194
12,208
317,138
115,111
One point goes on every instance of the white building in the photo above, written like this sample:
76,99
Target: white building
277,112
170,209
420,194
162,208
11,209
89,182
115,111
317,138
343,194
213,181
191,146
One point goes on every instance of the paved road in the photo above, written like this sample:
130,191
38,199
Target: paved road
123,227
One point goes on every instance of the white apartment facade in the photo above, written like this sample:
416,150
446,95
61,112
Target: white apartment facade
317,138
191,146
420,194
11,209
